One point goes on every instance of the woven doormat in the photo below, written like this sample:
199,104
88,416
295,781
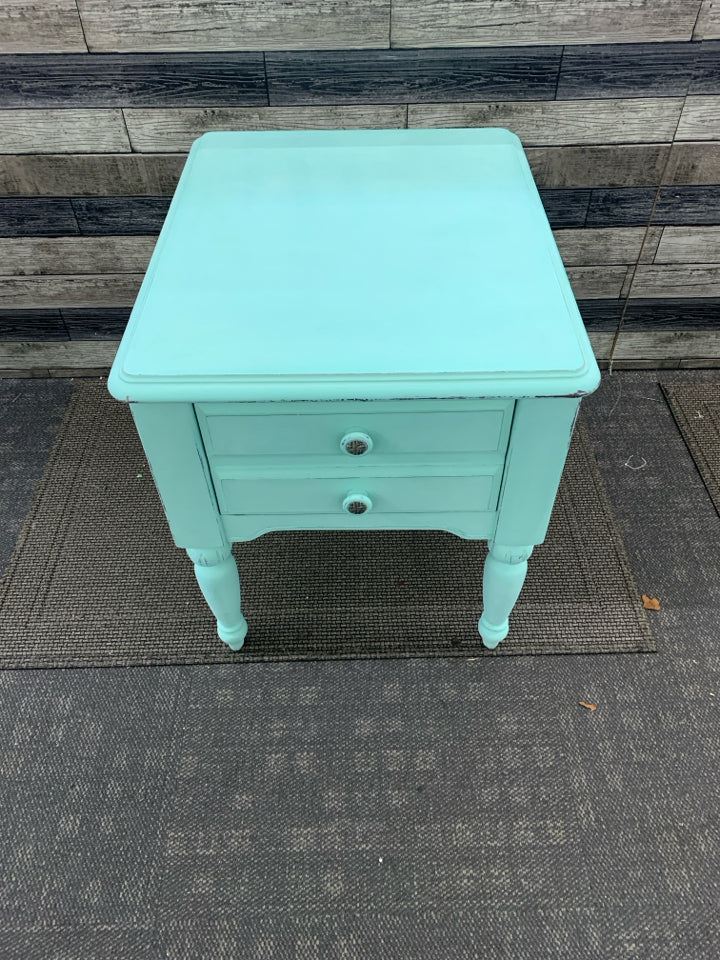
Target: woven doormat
95,579
696,408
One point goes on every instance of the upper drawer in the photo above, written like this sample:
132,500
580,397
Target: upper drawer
383,430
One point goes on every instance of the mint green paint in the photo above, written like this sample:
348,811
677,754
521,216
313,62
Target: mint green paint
341,320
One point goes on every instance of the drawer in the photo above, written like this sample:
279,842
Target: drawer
380,430
353,497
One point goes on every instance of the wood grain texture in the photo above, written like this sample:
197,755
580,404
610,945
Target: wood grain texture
40,26
32,325
565,208
45,217
689,245
688,205
597,282
95,323
132,80
126,25
708,23
675,313
706,67
172,131
700,119
607,245
93,358
600,315
664,345
30,292
445,23
412,76
88,175
694,163
120,215
677,280
627,70
44,256
648,120
597,166
62,131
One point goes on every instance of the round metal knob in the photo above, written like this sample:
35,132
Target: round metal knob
356,444
357,503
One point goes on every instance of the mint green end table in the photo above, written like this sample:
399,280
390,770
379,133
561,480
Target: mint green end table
356,330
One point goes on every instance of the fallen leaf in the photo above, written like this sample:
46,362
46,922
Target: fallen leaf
651,603
588,706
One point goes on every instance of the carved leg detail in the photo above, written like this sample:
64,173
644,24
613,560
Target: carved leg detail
503,577
217,575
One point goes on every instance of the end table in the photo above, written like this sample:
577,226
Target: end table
356,330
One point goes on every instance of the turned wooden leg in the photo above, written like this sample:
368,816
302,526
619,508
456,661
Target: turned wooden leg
503,577
217,574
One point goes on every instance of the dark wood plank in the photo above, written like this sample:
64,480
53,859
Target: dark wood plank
620,207
464,23
706,68
699,205
636,165
694,163
566,208
127,25
32,325
133,80
37,217
88,175
686,313
129,216
600,315
627,70
414,76
102,323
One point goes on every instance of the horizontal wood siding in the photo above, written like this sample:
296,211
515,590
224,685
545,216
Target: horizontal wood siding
63,131
35,26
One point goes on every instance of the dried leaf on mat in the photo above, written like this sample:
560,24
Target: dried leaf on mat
588,706
651,603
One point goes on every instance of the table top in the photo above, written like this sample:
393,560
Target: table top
361,264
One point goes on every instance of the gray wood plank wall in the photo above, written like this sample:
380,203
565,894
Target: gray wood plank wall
619,110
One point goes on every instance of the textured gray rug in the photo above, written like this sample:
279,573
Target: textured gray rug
95,579
696,408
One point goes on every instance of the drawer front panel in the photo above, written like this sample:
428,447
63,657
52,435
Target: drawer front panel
274,431
380,495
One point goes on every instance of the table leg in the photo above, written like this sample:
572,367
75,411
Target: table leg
503,577
217,574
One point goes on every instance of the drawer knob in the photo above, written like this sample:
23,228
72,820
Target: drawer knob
356,444
357,503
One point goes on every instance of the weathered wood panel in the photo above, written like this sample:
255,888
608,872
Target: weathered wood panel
32,325
689,245
700,119
111,291
173,131
37,26
565,208
57,359
607,245
597,282
676,313
125,25
43,256
62,131
638,120
133,80
627,70
88,175
120,215
414,76
445,23
95,323
696,163
45,217
598,166
681,280
706,75
708,23
665,344
600,315
688,205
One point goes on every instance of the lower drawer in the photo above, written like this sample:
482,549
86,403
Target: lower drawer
353,497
